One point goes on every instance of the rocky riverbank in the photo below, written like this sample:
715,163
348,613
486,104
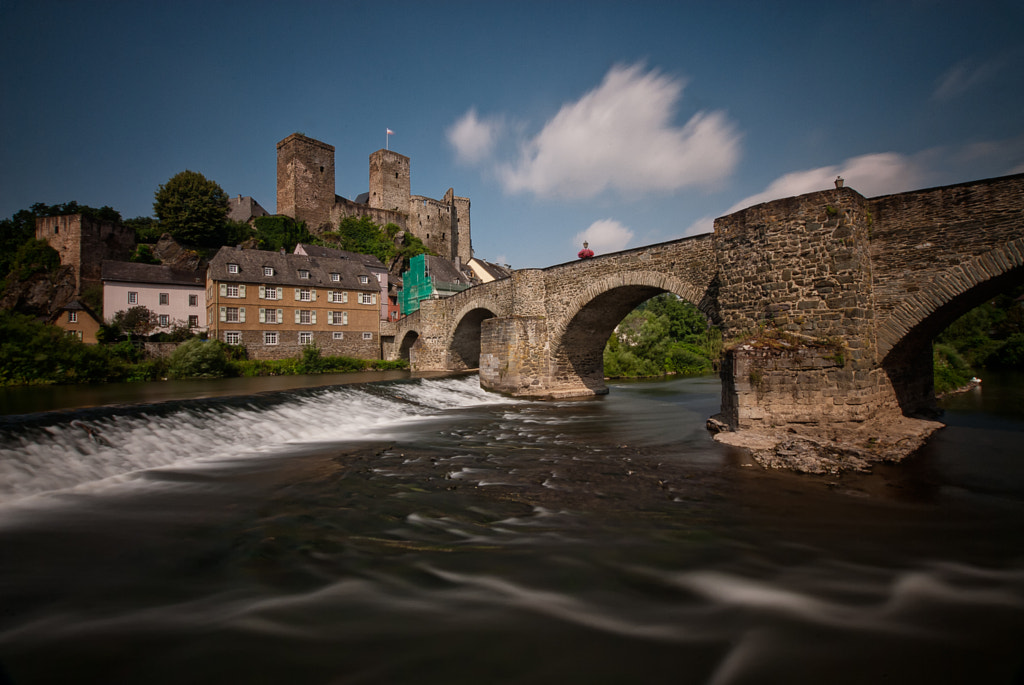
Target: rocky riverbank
830,449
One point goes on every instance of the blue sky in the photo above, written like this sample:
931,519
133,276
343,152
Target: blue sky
624,123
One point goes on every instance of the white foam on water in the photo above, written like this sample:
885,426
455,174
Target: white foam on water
77,452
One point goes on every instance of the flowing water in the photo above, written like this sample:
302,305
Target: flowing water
425,531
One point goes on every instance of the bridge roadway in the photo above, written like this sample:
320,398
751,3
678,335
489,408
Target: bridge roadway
829,302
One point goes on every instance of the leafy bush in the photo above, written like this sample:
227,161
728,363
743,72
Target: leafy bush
197,358
34,352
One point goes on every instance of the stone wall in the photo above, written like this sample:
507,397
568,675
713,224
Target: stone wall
84,243
431,221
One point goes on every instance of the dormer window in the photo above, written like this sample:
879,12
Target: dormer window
232,268
364,279
268,271
336,277
303,273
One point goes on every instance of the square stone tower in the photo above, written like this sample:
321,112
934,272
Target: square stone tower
389,181
305,180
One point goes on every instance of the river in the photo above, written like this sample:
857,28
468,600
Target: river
425,531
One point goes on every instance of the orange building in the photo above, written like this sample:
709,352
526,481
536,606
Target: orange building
78,320
275,304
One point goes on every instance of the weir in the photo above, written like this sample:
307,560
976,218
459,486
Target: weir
828,302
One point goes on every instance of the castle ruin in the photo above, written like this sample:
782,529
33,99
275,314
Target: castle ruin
305,192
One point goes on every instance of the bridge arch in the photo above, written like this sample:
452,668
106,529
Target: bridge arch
578,339
464,343
406,345
905,335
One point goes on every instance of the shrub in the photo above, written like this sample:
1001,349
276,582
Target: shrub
197,358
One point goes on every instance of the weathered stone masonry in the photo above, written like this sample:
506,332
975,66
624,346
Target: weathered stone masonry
830,301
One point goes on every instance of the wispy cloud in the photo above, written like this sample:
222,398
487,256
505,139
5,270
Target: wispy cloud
473,138
606,235
620,136
962,78
890,172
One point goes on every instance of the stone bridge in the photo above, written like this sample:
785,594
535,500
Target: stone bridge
828,302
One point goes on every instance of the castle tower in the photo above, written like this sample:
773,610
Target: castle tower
389,181
463,244
305,180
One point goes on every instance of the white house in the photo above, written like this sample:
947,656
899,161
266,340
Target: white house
174,296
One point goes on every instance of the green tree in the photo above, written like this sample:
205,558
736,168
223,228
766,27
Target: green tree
144,255
34,352
280,231
362,235
147,229
32,257
138,321
663,335
192,208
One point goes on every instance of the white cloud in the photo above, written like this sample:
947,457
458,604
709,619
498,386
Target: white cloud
705,224
962,78
870,175
606,235
620,136
474,138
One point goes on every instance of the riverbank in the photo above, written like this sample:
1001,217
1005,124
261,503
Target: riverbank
834,448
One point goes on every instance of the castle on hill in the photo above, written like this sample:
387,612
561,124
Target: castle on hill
305,192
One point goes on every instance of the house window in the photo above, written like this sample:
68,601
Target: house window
164,320
306,338
270,316
271,293
233,337
364,279
337,296
305,295
193,300
367,298
269,337
165,298
305,316
337,318
193,321
72,317
268,271
231,291
339,335
231,315
336,277
133,297
367,336
232,268
303,273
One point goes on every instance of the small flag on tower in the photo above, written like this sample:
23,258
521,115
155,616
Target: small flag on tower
387,139
390,132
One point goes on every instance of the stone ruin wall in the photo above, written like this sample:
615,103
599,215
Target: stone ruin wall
84,243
